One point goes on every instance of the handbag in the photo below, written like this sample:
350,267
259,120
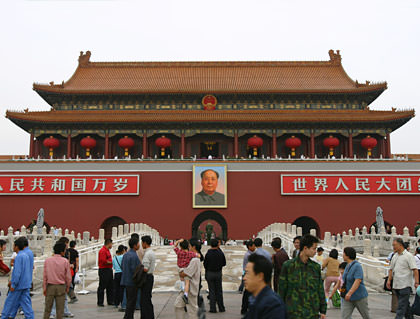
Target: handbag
336,300
386,280
4,269
77,280
343,290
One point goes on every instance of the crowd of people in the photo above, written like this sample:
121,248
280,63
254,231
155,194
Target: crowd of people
275,285
307,284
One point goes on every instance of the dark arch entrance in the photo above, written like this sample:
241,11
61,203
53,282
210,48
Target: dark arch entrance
210,215
307,223
110,222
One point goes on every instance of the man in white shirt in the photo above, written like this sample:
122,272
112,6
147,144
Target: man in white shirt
149,263
403,270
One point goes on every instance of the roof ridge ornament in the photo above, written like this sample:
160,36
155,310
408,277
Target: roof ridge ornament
335,57
84,59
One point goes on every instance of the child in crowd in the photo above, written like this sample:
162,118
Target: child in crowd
339,283
184,257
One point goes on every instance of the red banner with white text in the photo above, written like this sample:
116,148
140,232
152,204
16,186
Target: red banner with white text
69,184
361,184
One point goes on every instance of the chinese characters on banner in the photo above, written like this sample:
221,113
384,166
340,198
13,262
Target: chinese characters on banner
69,184
350,184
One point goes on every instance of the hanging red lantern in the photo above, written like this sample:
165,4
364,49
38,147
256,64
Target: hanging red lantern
126,143
88,143
255,142
163,143
331,142
51,143
293,143
369,143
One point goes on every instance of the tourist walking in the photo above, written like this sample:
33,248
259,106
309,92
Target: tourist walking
73,256
296,243
339,283
332,274
193,271
57,281
214,261
403,275
105,274
149,263
116,264
4,269
67,312
279,258
140,253
260,250
319,255
19,284
353,289
300,283
246,294
265,304
184,257
130,261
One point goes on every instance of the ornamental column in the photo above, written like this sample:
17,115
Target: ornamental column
351,145
312,148
68,145
274,147
383,147
182,145
144,145
388,145
36,147
235,145
31,146
106,145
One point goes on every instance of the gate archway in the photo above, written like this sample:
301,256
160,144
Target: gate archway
307,223
113,221
210,215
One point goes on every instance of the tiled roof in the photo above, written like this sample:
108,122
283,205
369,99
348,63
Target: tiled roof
238,116
209,77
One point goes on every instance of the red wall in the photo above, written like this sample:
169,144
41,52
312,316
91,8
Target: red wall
165,203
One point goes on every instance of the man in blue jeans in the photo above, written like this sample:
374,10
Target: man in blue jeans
19,284
129,264
401,273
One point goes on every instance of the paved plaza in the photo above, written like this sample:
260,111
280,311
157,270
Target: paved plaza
164,309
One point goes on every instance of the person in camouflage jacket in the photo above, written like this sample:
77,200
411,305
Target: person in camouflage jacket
300,284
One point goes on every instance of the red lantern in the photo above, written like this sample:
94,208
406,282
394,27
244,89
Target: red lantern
163,143
52,143
293,143
88,143
255,142
126,143
331,142
369,143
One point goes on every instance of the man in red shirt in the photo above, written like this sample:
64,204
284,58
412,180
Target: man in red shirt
105,274
57,280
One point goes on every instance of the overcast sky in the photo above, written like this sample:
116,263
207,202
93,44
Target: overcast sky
40,41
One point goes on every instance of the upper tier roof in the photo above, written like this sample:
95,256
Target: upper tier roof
209,77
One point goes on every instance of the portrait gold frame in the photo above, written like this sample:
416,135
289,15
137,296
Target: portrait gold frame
209,166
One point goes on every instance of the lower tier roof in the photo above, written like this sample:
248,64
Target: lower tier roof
28,119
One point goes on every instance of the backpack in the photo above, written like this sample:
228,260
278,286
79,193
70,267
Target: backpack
336,300
139,276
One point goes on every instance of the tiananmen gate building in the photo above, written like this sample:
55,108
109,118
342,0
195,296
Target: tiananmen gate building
176,145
